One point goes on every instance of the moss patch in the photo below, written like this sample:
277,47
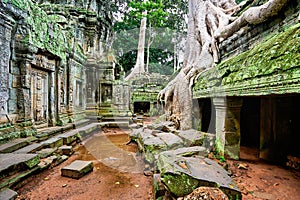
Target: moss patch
276,59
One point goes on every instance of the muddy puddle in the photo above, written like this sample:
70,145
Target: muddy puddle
113,150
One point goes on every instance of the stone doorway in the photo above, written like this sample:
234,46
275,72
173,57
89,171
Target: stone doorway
141,107
39,97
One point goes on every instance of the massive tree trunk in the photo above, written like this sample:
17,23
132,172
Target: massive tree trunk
210,21
140,64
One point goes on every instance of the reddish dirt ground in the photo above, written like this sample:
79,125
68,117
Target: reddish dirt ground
263,181
256,179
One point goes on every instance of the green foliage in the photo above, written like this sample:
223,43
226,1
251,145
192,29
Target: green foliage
165,21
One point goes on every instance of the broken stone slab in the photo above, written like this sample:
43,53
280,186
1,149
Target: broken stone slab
153,146
185,152
8,194
134,135
171,140
182,174
163,126
12,163
197,138
77,169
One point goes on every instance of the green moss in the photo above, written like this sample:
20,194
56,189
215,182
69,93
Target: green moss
180,185
277,55
32,162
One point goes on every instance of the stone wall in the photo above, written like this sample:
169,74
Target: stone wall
47,50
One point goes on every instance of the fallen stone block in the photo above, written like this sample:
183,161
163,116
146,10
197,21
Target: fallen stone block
8,194
163,126
171,140
184,174
77,169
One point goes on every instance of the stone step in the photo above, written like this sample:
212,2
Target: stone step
12,163
81,123
13,145
18,177
77,169
70,137
115,124
86,130
49,131
32,148
8,194
53,142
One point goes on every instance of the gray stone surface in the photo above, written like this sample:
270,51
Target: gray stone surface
30,148
13,145
186,151
191,137
171,140
53,142
181,174
11,163
77,169
163,126
8,194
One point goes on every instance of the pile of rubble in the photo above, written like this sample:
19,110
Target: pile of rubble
180,165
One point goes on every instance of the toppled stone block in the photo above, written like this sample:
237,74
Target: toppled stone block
171,140
197,138
77,169
8,194
184,174
163,126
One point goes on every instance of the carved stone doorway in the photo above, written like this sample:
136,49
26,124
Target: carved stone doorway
39,97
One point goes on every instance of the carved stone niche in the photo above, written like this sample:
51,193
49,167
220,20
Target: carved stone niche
106,93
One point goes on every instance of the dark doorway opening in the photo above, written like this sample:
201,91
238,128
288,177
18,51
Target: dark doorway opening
141,107
208,115
250,122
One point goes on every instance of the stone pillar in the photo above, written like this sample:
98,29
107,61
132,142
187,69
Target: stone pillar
24,98
52,99
228,126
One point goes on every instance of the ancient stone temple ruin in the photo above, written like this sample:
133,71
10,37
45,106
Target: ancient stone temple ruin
251,98
56,67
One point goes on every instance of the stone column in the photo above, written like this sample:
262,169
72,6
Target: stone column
52,99
24,98
228,126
